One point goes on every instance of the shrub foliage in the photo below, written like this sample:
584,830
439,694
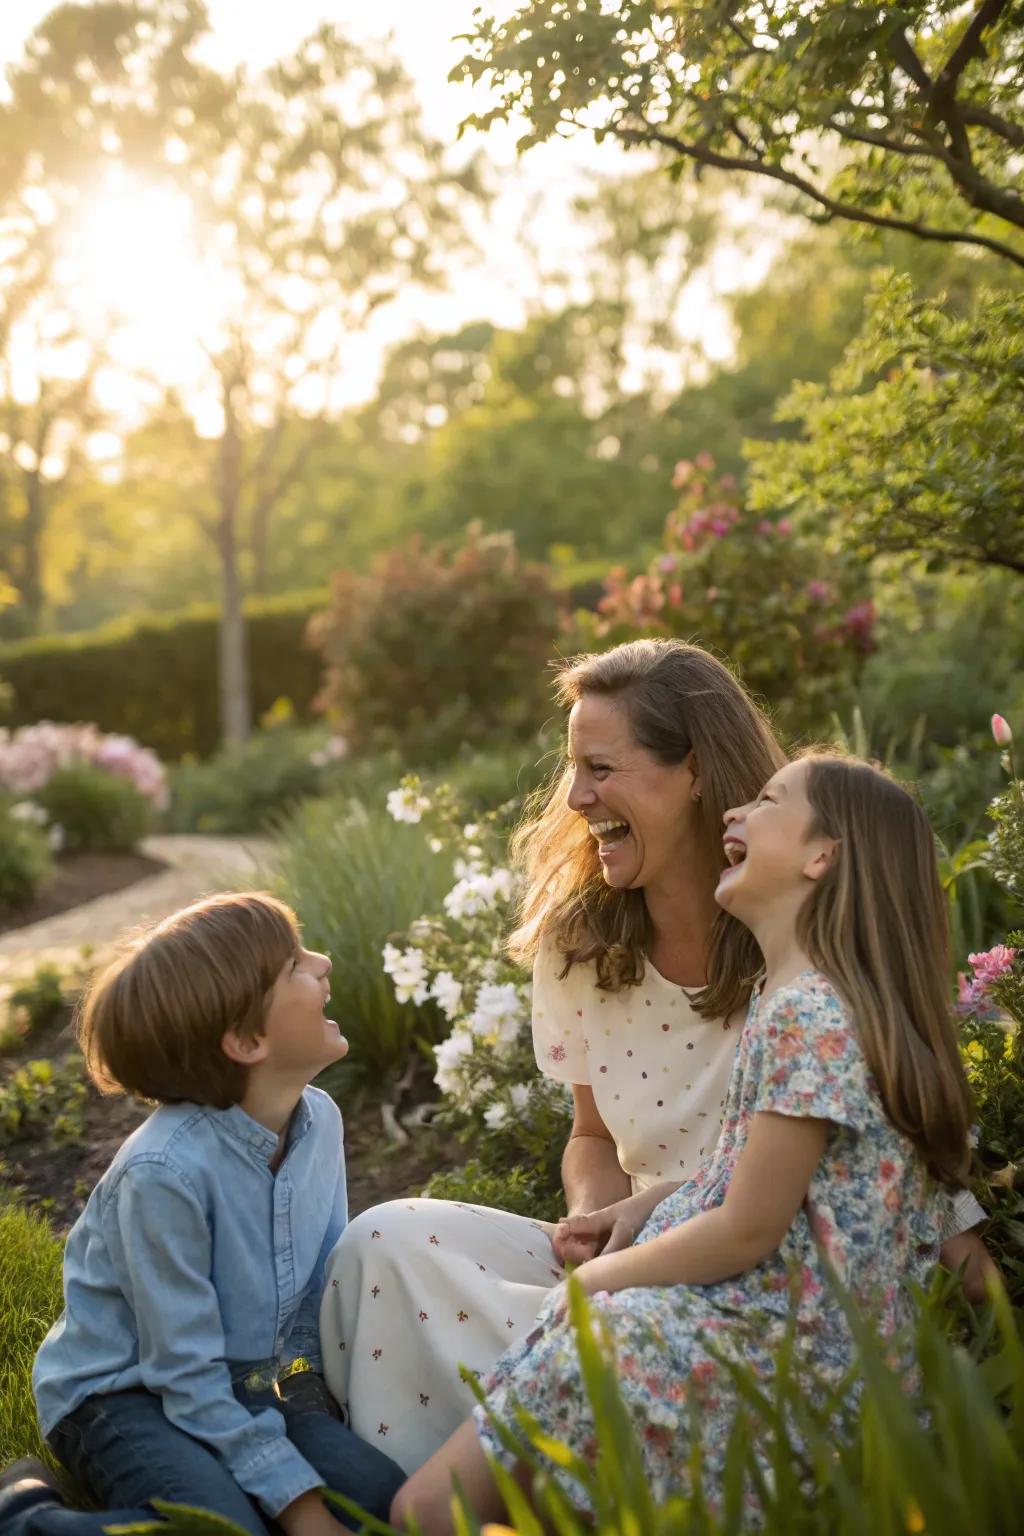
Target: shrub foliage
429,651
156,678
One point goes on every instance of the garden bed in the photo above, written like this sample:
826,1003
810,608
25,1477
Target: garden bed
78,878
54,1172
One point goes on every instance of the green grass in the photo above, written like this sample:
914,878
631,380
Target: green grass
356,878
30,1300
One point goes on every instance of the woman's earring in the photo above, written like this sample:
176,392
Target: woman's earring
697,794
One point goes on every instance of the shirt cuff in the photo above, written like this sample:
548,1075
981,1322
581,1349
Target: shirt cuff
276,1476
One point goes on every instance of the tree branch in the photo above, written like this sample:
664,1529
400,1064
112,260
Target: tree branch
969,46
832,206
981,117
879,141
902,50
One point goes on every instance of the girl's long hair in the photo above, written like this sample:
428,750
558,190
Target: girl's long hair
678,699
875,924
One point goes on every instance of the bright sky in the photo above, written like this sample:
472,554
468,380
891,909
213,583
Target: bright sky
133,249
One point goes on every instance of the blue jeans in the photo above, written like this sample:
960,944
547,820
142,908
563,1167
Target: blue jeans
124,1451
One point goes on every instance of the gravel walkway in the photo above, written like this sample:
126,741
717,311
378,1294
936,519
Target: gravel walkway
197,866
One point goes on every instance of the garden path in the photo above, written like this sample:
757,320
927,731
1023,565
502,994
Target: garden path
196,866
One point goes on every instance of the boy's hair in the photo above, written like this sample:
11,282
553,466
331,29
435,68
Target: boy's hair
153,1021
876,925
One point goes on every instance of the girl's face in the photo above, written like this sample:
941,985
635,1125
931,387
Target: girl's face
772,854
641,812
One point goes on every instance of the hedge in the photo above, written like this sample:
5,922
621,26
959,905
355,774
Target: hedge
155,677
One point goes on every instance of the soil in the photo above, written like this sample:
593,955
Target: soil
57,1178
79,877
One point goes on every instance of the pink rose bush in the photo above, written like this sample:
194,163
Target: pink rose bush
794,617
31,755
973,993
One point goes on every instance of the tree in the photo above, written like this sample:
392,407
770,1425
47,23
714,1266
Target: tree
907,118
923,455
48,406
317,194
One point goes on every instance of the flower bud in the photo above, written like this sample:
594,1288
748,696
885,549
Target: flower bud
1001,733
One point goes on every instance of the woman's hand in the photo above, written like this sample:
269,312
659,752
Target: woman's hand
581,1238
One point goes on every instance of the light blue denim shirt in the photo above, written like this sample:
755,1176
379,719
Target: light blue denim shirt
191,1265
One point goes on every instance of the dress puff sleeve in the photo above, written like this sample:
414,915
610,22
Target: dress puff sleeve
811,1065
559,1008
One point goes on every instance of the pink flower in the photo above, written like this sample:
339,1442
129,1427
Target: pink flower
681,474
705,461
668,562
765,528
784,527
818,591
1001,733
992,963
971,996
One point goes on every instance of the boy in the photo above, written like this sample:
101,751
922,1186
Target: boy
193,1277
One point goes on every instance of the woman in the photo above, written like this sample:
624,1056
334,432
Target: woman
640,985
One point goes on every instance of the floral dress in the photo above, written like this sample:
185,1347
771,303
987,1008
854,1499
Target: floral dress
417,1289
871,1213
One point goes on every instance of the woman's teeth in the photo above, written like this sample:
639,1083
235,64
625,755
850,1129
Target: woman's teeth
610,833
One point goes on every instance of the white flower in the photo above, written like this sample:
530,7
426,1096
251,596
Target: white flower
435,845
495,1116
408,971
407,804
450,1056
498,1013
520,1095
477,891
471,830
318,759
55,837
447,993
27,810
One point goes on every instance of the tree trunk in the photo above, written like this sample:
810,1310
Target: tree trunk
260,548
235,703
30,577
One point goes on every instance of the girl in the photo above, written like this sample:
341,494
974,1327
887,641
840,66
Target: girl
846,1120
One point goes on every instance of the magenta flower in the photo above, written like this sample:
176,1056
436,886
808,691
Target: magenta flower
818,591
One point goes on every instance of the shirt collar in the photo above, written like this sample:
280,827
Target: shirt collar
240,1127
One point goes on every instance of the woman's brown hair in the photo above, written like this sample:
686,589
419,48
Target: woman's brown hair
153,1021
678,699
876,925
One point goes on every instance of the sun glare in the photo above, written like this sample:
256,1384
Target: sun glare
134,273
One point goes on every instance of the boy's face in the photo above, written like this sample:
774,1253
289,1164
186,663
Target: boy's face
298,1036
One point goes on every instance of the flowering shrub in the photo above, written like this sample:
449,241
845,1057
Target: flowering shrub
88,789
429,651
30,757
92,811
485,1067
25,856
992,1002
796,621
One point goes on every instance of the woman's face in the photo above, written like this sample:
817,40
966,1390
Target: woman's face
640,811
